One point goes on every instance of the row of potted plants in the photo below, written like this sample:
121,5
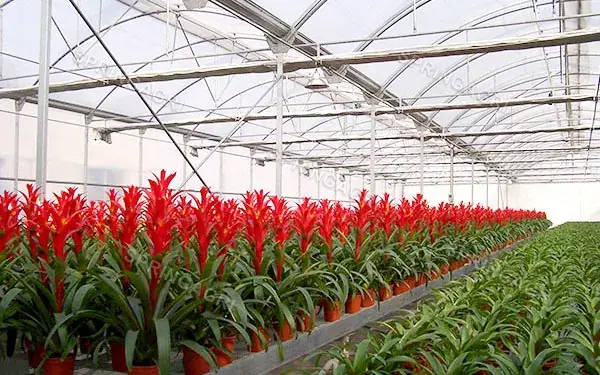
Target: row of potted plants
152,270
536,310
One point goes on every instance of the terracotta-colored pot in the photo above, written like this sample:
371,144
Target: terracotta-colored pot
257,345
117,353
404,286
333,311
305,321
145,370
86,346
368,298
35,355
353,303
284,331
194,363
456,264
421,279
445,269
549,364
54,366
385,293
222,357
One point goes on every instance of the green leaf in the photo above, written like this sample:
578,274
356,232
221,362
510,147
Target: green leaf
163,341
130,344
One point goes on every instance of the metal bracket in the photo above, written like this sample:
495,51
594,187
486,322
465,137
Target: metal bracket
194,151
88,118
19,103
276,45
142,131
103,135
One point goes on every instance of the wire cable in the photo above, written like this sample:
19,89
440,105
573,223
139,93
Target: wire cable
137,91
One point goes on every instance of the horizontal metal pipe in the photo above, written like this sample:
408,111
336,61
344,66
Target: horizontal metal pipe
332,61
363,112
427,136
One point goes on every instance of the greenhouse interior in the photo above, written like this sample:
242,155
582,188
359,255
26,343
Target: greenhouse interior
299,187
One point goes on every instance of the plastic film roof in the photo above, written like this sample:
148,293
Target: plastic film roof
150,36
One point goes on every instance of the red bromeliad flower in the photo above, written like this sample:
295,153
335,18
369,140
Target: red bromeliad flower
256,222
185,226
29,206
227,224
160,223
9,221
113,213
73,204
361,219
131,212
326,220
386,214
304,222
342,218
204,219
280,221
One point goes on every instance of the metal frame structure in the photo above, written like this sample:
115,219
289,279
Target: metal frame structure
391,138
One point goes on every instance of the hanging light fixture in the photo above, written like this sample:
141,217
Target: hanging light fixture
194,4
317,81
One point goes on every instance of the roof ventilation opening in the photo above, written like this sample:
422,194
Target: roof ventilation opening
317,82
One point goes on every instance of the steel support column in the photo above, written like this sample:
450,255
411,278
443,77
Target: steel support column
499,192
472,182
18,108
422,164
506,194
43,92
252,152
318,184
299,180
335,183
402,189
141,157
279,125
373,146
451,194
86,153
487,187
221,172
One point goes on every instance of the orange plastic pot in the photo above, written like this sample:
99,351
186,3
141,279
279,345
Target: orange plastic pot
257,345
353,304
86,346
35,356
385,293
454,265
333,311
55,366
194,363
445,269
117,352
284,331
368,299
404,286
421,279
305,321
145,370
222,357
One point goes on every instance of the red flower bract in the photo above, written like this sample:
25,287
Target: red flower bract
9,220
326,220
159,215
160,222
304,222
204,220
280,220
256,222
227,224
